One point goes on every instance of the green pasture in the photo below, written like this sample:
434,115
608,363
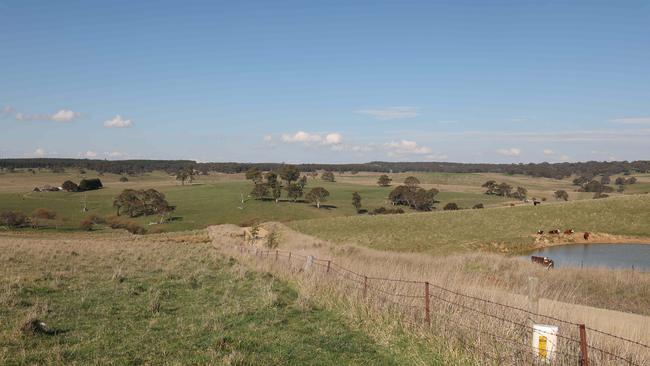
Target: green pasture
455,231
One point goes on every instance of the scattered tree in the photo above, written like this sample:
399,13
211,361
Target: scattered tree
520,193
328,176
317,195
356,201
411,182
254,174
294,191
384,180
605,179
289,173
185,174
260,190
142,202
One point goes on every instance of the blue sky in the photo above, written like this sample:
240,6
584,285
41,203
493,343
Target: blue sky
326,81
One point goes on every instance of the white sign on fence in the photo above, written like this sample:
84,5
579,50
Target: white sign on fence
544,342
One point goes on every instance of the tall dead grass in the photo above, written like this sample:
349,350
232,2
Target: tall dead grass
462,324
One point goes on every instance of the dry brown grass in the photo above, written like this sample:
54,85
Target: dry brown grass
602,299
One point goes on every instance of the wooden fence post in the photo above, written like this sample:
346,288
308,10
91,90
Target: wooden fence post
427,316
276,255
584,353
533,299
365,286
289,256
328,266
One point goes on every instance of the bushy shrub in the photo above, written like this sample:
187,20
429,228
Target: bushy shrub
90,184
13,219
44,213
95,219
70,186
124,179
478,206
451,206
384,211
133,227
86,224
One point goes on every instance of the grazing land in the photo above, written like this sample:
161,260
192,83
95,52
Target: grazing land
506,229
163,299
216,198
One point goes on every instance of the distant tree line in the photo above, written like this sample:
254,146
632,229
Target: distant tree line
133,167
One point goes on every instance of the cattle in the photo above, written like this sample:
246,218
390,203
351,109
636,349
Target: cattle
544,261
554,231
569,232
586,235
540,232
535,203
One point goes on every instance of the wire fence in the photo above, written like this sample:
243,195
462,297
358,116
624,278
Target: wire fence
497,333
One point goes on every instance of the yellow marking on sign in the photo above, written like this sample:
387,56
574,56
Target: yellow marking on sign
542,347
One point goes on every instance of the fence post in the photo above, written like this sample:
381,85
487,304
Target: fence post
365,286
584,353
328,266
276,255
533,299
289,257
427,317
308,264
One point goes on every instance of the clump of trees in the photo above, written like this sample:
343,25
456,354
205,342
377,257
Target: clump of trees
131,226
561,195
136,203
504,190
383,181
89,184
411,195
317,195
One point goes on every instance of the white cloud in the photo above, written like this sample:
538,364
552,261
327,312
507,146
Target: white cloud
39,153
406,147
391,112
118,122
89,154
548,152
302,136
564,157
333,139
64,115
633,121
7,109
268,138
513,151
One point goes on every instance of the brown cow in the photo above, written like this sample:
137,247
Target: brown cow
569,232
554,231
586,235
540,232
544,261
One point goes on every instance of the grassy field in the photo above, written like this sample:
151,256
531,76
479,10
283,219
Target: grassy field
506,229
211,200
216,198
163,300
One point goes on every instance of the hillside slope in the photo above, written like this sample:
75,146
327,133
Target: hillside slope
507,229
